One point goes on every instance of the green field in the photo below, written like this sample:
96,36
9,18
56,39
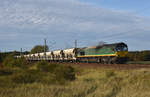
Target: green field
89,82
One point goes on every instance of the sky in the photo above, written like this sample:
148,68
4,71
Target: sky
25,23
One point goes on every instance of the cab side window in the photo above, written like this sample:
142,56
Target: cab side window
82,53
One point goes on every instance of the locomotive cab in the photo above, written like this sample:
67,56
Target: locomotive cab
121,50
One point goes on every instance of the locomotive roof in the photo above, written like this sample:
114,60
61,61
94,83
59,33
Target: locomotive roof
109,45
114,44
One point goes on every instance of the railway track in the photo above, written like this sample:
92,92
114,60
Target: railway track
115,66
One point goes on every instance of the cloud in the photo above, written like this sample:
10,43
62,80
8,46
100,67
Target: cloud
63,21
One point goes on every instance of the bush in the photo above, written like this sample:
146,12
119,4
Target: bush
61,72
29,76
64,73
69,73
9,61
45,73
48,79
43,66
21,62
6,71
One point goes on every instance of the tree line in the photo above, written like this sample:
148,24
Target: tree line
35,49
139,55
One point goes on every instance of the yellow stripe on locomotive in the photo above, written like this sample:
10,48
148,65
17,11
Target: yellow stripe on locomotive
122,53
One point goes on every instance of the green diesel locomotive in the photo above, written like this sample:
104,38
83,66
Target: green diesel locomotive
106,54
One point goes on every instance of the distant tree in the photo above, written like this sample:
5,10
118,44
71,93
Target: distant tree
38,49
139,56
1,57
146,55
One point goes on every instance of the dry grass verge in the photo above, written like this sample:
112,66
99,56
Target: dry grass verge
89,83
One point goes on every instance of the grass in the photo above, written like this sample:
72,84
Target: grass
138,62
100,82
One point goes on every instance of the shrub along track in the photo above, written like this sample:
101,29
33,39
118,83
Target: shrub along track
1,65
98,65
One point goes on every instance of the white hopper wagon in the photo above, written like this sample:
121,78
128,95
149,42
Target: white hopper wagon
69,54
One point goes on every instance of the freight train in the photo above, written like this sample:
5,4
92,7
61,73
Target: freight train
106,54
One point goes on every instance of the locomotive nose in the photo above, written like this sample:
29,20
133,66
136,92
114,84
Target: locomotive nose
122,53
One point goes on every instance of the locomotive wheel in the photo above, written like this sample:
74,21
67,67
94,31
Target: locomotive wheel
109,60
104,60
98,60
113,60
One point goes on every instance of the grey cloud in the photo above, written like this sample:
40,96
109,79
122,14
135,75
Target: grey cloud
64,20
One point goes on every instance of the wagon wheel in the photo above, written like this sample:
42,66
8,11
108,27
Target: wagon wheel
109,60
113,60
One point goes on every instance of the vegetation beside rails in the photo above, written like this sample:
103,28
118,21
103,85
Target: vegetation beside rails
51,80
18,73
139,62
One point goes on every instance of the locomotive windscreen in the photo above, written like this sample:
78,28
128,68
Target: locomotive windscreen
121,47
